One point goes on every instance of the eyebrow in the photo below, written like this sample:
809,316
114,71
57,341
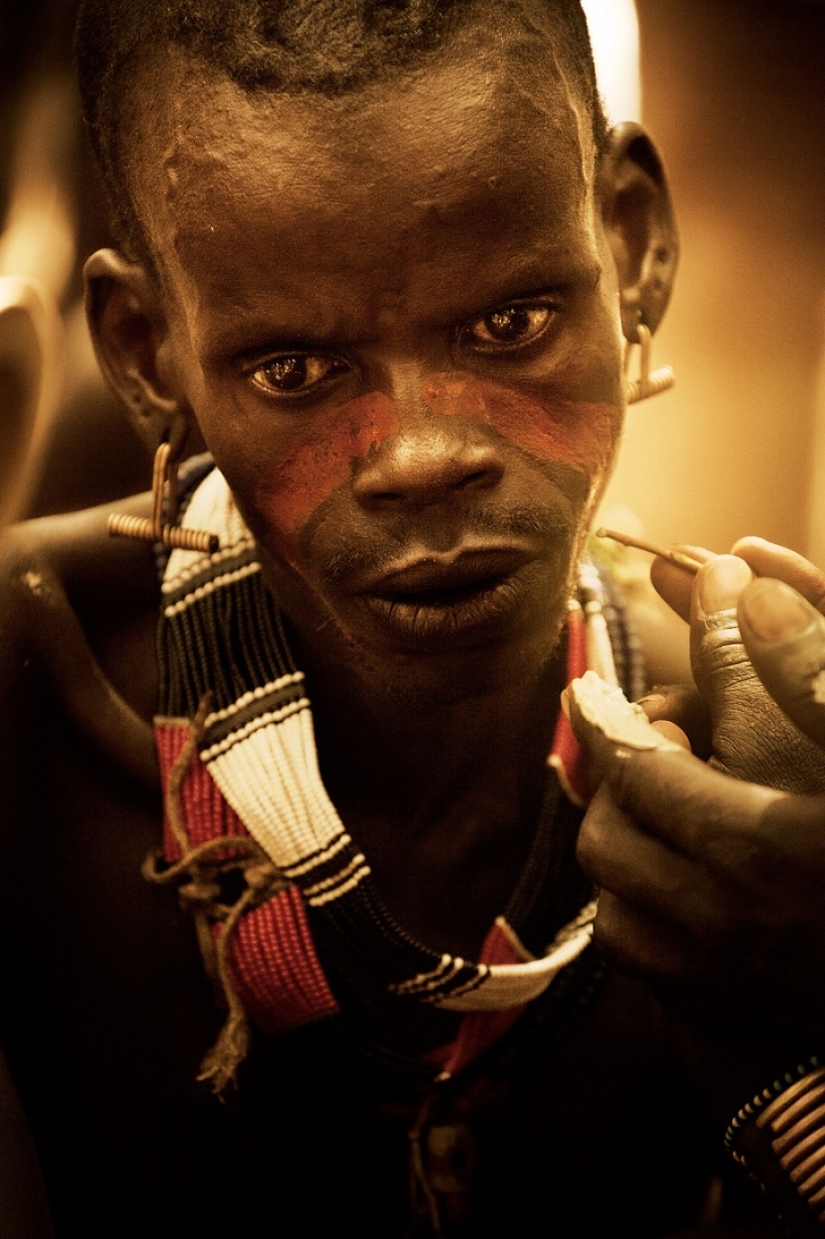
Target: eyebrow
524,286
251,335
536,279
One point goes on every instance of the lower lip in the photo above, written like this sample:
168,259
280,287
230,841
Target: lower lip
477,612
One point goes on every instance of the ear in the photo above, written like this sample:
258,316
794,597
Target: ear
131,339
641,227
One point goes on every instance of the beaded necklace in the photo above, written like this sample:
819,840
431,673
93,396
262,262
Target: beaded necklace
245,809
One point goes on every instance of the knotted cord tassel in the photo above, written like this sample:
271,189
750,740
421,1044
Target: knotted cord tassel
221,1063
202,894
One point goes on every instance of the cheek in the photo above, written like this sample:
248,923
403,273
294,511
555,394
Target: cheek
321,458
581,434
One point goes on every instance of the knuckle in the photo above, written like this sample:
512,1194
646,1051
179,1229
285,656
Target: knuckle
778,758
718,639
591,840
612,937
628,777
626,941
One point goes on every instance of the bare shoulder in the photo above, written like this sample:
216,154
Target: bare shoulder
77,618
76,546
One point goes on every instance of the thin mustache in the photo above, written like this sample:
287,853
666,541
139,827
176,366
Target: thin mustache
513,524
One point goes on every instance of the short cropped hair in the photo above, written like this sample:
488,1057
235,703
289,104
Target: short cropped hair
330,47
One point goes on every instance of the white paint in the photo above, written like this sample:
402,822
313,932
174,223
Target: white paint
605,707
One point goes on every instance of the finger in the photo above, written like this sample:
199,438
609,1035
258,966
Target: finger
753,739
672,732
677,798
785,639
724,677
719,585
646,873
637,944
674,583
682,705
769,559
720,664
681,973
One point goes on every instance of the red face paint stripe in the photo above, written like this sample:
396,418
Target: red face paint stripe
580,433
320,461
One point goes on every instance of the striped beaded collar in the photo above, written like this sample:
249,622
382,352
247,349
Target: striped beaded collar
246,771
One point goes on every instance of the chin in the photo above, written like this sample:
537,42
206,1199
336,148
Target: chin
472,639
448,678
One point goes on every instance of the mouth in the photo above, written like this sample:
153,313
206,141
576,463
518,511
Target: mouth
475,594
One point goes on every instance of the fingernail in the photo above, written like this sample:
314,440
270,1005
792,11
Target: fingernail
690,557
722,582
776,612
651,699
652,703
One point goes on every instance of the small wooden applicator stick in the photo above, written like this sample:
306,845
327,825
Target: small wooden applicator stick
681,558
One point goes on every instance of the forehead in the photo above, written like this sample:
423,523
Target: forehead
237,190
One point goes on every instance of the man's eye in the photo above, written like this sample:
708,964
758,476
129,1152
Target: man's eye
297,373
508,327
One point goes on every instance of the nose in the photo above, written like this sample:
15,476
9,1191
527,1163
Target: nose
428,459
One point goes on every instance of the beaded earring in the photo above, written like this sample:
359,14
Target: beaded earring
648,383
155,529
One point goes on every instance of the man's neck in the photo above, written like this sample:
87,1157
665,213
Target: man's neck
443,796
431,751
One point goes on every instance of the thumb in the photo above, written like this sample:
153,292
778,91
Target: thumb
720,663
785,640
752,738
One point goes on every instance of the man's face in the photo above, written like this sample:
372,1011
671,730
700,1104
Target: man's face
395,318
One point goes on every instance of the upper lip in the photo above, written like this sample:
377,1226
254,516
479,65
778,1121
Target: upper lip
452,570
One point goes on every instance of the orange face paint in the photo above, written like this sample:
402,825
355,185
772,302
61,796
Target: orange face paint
323,456
326,451
582,434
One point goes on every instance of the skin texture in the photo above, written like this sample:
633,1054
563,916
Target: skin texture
382,240
404,459
339,284
395,453
712,885
416,438
731,720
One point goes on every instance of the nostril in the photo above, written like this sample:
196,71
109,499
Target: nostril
386,496
424,469
481,477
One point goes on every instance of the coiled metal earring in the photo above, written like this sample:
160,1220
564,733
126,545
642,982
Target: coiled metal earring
154,529
649,383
